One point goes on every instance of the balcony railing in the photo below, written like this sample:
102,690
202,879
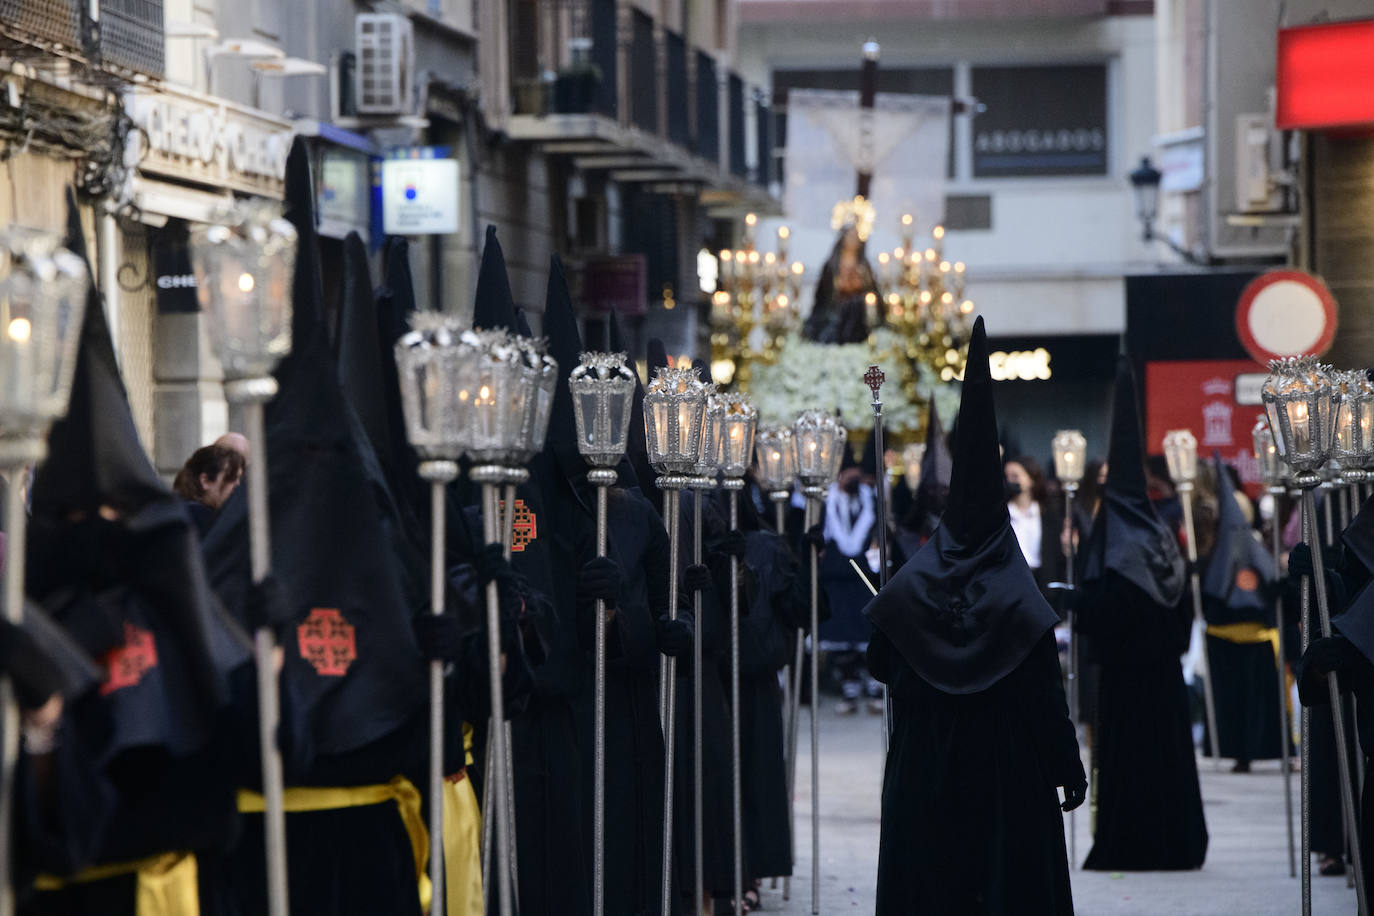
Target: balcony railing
644,82
130,37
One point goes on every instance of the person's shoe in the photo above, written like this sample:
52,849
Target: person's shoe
1242,766
875,707
1330,866
846,707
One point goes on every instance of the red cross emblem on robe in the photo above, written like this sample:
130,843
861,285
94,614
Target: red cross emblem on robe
327,642
127,664
525,526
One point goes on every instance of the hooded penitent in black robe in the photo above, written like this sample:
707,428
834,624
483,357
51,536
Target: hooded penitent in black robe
1134,606
141,765
981,734
1238,582
554,537
353,692
773,585
918,520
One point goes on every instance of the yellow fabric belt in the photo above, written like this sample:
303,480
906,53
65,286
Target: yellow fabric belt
1246,634
330,798
167,884
462,843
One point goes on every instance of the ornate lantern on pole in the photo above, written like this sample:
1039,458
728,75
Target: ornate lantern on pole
703,478
1353,446
245,265
776,460
43,289
1271,472
820,442
738,420
602,393
1070,449
674,411
1300,404
1180,452
432,360
496,387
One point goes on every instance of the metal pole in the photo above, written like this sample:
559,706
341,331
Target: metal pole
698,787
488,476
874,378
1185,490
601,478
794,719
1071,487
256,392
438,473
15,520
733,486
1305,745
814,493
670,486
512,477
1285,722
1330,495
1338,718
780,525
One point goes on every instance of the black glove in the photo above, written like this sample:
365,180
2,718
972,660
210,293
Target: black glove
598,578
815,537
1074,796
1323,656
1299,561
492,565
697,578
266,605
439,636
674,637
36,679
733,544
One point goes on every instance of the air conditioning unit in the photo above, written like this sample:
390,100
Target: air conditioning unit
386,63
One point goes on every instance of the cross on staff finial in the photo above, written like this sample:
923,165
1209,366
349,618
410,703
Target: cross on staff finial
874,379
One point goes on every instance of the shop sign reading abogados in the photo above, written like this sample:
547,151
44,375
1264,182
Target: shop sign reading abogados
1285,313
195,138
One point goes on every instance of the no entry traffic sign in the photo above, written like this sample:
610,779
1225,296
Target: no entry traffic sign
1285,313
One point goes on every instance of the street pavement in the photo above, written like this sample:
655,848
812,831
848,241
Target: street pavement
1247,858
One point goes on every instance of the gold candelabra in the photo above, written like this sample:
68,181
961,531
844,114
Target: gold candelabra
754,307
922,293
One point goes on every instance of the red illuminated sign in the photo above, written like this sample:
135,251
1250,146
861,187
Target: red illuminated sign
1324,76
1199,395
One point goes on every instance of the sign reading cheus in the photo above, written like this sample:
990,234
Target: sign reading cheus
207,141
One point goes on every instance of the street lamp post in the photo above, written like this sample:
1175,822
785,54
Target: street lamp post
1070,450
736,448
1180,451
674,410
1298,401
602,392
820,442
1271,472
245,264
43,289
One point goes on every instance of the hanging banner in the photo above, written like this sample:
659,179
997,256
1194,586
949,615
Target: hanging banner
903,142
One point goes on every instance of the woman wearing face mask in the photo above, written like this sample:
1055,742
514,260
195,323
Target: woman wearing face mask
1037,526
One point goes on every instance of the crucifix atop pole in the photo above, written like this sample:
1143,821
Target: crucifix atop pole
868,91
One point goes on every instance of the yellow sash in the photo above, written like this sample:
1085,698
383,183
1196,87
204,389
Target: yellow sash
1246,634
167,884
328,798
462,841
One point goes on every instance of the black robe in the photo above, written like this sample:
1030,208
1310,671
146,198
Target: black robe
1149,805
971,819
638,542
765,647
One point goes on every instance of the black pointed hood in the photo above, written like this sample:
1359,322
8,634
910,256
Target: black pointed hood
360,352
494,305
395,303
350,652
95,457
932,491
1128,538
1239,570
143,557
565,345
977,507
965,610
869,462
658,356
